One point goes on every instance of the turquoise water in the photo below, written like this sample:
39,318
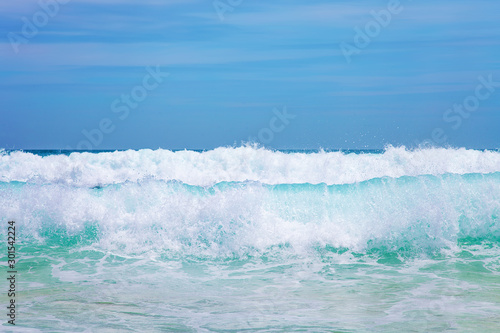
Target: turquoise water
247,239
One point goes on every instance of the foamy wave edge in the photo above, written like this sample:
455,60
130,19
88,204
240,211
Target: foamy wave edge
241,164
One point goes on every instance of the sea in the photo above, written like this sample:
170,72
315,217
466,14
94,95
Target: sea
249,239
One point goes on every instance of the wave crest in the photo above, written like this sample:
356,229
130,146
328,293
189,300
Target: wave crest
241,164
421,213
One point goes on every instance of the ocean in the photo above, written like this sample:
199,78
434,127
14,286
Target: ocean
246,239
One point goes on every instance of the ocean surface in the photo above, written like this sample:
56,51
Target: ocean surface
253,240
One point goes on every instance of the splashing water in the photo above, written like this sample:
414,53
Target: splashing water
251,239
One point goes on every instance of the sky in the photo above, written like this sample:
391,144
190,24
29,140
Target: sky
199,74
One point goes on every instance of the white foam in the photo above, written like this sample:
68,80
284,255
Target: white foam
424,212
241,164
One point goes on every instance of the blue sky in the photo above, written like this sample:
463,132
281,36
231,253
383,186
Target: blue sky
228,79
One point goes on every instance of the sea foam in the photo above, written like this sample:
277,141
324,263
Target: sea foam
240,164
411,214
